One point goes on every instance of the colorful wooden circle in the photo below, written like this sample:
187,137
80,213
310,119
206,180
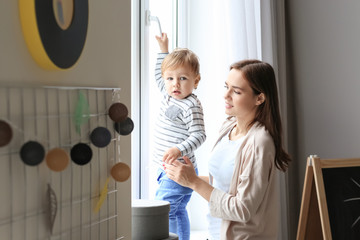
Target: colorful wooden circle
6,133
57,159
120,172
118,112
52,44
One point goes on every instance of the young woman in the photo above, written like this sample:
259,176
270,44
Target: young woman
242,188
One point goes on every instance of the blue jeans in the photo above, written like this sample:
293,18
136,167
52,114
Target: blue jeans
178,196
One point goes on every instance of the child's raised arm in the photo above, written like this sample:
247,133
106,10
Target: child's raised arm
163,43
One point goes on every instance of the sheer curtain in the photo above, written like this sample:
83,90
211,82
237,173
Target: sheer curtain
273,47
222,32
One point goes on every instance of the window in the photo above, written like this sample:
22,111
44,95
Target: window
174,17
219,32
146,95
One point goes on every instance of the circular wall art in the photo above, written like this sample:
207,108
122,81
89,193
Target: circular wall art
55,30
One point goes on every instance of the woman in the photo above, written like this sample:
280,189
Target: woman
249,150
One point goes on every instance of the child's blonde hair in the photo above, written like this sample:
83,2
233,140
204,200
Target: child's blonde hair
180,57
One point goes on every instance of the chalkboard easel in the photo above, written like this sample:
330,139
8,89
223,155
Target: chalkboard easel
330,207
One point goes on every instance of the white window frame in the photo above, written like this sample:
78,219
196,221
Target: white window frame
141,80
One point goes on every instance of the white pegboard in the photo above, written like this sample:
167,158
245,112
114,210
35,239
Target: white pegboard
46,115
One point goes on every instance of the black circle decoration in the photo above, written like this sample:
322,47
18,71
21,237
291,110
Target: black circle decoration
125,127
32,153
53,46
6,133
118,112
100,137
81,154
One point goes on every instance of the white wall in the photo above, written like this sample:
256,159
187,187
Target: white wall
323,41
105,62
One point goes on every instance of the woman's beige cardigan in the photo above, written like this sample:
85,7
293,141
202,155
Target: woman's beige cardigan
250,210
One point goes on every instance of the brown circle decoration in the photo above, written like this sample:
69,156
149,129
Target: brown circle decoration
118,112
120,172
6,133
57,159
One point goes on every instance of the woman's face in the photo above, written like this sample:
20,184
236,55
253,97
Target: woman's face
240,100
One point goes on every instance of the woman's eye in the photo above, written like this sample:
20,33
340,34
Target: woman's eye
236,92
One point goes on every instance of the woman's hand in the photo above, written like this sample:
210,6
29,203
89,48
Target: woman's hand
163,43
185,175
182,173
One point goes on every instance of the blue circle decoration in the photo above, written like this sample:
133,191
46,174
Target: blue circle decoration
100,137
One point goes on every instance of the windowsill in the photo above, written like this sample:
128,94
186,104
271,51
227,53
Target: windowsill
198,235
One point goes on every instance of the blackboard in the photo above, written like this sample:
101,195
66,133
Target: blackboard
342,190
330,207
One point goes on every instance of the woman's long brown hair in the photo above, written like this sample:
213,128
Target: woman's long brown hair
261,78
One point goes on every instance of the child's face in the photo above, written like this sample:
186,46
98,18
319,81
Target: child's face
180,81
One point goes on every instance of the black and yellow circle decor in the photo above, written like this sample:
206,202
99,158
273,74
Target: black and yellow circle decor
54,30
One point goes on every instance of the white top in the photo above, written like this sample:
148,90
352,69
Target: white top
221,168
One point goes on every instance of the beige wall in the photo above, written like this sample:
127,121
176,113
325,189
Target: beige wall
105,62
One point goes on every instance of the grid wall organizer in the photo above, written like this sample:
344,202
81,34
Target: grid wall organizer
40,203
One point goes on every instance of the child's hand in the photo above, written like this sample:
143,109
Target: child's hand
163,43
171,155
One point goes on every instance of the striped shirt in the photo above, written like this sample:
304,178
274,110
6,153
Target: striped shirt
180,122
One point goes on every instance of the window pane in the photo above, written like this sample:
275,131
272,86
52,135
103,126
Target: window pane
164,10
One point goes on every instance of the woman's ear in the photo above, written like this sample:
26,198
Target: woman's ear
260,99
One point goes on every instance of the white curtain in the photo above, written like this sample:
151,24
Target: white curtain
222,32
273,47
256,29
239,25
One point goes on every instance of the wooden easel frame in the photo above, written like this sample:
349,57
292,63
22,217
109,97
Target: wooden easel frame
314,210
310,226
